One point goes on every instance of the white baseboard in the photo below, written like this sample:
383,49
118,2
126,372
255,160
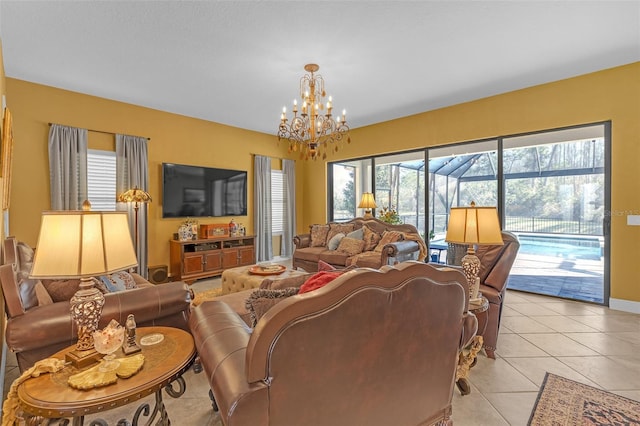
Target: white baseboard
624,305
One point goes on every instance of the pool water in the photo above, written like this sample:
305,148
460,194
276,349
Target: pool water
587,248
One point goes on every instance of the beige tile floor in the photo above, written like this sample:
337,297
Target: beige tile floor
584,342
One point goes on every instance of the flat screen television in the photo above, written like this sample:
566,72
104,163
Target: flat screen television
192,191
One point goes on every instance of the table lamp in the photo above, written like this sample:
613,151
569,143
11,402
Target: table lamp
367,202
473,225
83,244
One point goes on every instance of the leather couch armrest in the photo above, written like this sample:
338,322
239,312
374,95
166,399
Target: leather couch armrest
221,339
52,324
400,248
302,240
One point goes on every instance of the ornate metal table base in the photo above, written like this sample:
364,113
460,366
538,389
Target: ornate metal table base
175,389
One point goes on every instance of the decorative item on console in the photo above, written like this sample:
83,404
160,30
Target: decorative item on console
188,230
233,228
213,230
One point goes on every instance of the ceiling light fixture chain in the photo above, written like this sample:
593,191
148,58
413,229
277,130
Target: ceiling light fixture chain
313,131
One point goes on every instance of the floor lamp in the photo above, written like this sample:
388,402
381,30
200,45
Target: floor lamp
135,196
470,226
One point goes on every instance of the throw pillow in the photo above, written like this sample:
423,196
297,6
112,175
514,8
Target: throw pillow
61,290
261,300
42,294
337,228
118,281
28,293
335,241
319,235
324,266
388,237
25,258
351,246
358,234
319,280
371,238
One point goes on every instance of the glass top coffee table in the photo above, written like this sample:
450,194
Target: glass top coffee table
168,352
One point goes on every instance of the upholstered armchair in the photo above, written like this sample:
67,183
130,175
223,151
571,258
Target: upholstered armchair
495,266
372,347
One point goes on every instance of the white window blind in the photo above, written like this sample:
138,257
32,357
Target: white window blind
101,179
278,200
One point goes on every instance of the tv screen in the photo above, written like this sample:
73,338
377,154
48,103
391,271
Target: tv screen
192,191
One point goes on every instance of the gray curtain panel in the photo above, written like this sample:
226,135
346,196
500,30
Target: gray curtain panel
289,172
262,207
68,167
132,170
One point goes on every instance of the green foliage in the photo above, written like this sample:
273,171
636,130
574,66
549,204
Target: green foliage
389,215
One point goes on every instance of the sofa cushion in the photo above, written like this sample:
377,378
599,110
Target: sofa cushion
333,243
367,259
339,228
334,257
310,253
370,237
261,300
388,237
25,257
351,246
319,235
319,280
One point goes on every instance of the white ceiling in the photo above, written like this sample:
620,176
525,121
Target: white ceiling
239,62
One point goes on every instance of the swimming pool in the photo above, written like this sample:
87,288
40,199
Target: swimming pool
568,247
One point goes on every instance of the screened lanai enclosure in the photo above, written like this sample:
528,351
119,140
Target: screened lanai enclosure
550,188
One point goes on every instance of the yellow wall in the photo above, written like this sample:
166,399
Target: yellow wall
174,138
612,94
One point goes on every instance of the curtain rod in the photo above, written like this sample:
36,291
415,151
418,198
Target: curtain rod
95,131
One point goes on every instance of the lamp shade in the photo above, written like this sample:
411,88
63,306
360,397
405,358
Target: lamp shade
77,244
367,201
134,195
474,225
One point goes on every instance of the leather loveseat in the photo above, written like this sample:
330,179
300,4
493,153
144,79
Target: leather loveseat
36,332
403,242
371,347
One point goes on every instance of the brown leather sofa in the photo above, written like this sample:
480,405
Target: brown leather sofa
410,247
41,331
372,347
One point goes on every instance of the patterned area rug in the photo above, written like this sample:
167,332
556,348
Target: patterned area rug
565,402
205,295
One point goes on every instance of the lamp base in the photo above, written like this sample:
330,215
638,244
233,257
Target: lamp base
367,214
471,268
82,359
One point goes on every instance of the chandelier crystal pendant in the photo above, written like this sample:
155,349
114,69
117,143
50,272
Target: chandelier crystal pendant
313,132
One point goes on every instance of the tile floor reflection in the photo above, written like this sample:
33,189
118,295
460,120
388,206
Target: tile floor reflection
583,342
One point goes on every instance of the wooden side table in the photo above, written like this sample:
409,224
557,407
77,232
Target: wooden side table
49,396
467,357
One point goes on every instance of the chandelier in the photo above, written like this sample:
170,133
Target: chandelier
313,132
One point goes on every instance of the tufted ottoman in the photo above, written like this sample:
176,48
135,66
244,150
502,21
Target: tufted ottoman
240,279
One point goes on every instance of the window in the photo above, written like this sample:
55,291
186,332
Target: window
278,201
101,179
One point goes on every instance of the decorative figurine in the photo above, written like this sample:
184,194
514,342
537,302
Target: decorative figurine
130,346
